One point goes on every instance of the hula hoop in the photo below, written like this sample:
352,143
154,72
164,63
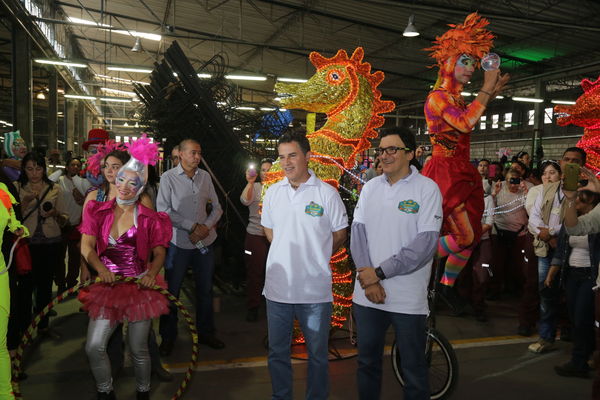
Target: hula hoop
30,333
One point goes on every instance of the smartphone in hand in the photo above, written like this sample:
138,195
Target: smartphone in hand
571,173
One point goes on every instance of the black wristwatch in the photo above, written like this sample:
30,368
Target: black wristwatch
379,272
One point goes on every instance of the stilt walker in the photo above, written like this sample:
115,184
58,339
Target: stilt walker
450,122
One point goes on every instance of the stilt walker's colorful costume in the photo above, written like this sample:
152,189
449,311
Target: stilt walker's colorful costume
127,255
450,122
7,219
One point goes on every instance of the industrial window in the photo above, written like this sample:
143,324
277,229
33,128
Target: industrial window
482,122
530,117
548,113
495,119
507,120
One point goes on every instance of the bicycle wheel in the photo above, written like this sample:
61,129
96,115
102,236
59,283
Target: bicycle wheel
443,365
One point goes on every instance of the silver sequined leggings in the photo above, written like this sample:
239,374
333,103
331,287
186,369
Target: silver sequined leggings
99,331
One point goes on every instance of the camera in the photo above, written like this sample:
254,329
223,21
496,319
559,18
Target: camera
47,206
514,181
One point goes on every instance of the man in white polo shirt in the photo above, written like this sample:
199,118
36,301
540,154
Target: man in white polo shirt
305,221
395,231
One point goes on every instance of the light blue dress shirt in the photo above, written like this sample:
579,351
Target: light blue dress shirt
184,199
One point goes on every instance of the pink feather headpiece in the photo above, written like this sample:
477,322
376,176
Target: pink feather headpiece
95,161
144,150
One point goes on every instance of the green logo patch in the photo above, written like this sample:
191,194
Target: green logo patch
314,210
408,206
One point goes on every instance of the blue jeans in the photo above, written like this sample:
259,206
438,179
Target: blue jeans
549,298
203,267
314,320
371,325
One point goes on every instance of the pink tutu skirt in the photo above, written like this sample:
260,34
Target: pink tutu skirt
124,301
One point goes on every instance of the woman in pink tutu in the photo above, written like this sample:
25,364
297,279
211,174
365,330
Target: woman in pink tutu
123,237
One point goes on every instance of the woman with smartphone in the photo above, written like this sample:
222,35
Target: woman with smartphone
577,257
256,246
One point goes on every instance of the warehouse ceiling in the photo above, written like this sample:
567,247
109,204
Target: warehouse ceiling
557,41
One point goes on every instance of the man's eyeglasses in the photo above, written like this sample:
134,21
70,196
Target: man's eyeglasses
390,150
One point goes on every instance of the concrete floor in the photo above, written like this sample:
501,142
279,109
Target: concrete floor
494,363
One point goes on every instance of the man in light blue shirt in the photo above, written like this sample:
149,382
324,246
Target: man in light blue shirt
184,194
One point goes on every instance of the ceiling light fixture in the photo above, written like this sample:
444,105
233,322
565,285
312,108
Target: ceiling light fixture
115,100
117,91
246,77
245,108
410,30
63,63
292,80
119,80
568,102
466,94
528,99
149,36
130,69
40,96
86,22
267,109
204,76
77,96
137,47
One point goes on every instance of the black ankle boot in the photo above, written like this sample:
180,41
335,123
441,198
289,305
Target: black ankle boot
106,396
143,396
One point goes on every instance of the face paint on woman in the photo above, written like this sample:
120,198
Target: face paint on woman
464,68
129,185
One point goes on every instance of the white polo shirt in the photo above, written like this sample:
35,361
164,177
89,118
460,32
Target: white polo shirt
302,221
393,215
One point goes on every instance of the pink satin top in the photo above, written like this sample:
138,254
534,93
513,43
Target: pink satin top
121,256
153,228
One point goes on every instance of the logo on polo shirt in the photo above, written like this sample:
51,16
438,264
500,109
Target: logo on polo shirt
408,206
314,210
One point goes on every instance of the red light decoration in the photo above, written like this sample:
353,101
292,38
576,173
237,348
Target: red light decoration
585,113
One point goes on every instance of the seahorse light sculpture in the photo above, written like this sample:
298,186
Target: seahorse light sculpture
585,113
345,89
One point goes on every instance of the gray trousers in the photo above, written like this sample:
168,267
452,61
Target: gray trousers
99,331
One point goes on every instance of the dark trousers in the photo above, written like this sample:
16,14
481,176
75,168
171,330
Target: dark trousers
474,278
517,261
44,258
580,302
371,325
21,302
70,245
203,268
596,385
258,249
